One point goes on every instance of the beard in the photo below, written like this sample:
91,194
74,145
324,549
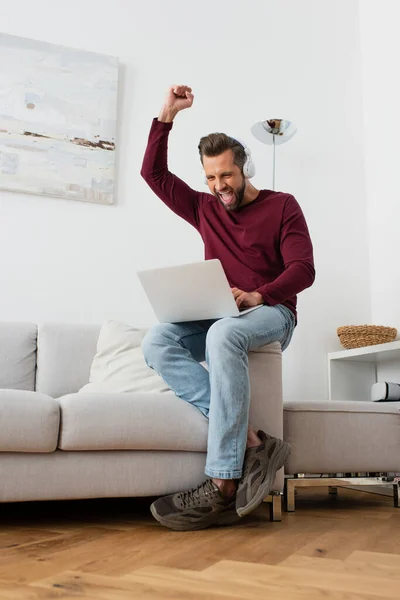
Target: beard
238,197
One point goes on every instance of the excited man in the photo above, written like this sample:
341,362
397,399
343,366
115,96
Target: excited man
263,243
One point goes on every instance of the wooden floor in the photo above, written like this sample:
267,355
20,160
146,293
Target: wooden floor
331,548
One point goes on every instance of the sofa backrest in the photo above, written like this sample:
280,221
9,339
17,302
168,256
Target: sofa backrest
55,358
64,356
18,356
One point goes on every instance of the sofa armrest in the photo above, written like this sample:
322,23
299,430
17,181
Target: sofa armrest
266,406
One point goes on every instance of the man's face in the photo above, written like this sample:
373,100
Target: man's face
225,179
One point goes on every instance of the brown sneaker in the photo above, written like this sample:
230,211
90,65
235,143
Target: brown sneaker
260,467
198,508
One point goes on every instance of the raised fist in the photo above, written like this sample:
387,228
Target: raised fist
178,98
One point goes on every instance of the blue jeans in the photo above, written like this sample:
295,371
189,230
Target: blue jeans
222,393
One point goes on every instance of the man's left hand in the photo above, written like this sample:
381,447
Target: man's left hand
247,299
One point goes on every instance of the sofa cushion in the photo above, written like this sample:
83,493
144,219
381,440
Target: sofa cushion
64,356
29,422
342,437
131,421
119,364
17,356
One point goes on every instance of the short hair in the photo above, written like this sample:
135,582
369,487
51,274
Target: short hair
215,144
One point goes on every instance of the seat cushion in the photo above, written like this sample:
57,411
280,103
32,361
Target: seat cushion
342,437
29,422
131,421
18,356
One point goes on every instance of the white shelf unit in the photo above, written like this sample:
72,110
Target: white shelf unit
352,372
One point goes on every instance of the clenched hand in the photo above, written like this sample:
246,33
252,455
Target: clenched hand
178,98
246,299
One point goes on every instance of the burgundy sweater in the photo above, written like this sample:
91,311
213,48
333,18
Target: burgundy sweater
263,246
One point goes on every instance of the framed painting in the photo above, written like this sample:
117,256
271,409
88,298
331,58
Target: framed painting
58,111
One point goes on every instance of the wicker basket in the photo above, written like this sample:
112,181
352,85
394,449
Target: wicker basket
358,336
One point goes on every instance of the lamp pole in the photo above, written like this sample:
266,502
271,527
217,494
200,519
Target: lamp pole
273,166
273,132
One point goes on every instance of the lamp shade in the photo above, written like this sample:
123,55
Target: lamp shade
273,131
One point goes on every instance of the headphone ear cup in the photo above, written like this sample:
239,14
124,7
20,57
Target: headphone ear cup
249,169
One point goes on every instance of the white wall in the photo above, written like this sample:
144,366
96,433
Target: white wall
64,260
380,43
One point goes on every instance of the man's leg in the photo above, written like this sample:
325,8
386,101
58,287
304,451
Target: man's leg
228,343
175,351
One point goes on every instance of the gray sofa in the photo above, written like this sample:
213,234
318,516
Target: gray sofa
56,443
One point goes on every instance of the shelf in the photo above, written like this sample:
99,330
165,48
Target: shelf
378,353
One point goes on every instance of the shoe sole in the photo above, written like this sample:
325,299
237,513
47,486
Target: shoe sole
228,518
224,519
276,462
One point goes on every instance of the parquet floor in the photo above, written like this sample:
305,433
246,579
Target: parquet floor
331,548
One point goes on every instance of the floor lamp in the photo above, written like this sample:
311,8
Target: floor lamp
273,132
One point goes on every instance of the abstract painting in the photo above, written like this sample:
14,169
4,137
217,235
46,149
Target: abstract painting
58,110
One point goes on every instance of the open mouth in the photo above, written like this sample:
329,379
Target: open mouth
227,198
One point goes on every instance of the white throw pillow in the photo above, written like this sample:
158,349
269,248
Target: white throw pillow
119,364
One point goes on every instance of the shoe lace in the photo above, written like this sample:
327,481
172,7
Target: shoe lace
193,496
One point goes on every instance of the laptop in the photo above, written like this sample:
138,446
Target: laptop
190,292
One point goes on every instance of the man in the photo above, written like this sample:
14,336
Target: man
262,241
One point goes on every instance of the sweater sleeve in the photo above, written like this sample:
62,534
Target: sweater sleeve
175,193
297,254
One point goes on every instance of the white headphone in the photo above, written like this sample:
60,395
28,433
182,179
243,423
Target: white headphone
249,168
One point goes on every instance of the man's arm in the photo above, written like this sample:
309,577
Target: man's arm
174,192
297,253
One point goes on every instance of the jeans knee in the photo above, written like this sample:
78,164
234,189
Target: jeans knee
154,339
223,334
